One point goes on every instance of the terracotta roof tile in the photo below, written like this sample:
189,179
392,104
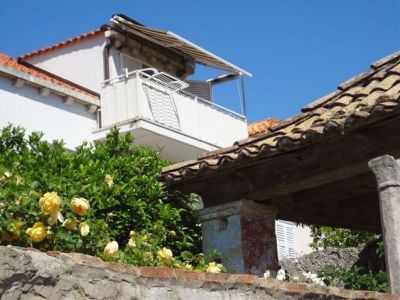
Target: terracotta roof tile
261,126
72,40
364,98
5,60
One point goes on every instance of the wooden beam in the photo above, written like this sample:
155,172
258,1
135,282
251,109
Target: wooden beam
19,83
318,164
69,100
91,108
44,92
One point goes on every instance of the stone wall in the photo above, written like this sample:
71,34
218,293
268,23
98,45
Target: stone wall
363,256
29,274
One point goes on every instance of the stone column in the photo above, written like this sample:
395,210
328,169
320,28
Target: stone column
387,173
244,233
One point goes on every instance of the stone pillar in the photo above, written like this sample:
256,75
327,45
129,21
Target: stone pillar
244,233
387,173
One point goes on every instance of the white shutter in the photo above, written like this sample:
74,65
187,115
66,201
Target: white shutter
162,106
285,239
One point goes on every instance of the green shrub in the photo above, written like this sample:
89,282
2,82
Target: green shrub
355,278
41,182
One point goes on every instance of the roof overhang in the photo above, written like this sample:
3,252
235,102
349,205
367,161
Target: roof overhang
171,40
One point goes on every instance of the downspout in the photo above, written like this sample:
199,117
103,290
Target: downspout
106,56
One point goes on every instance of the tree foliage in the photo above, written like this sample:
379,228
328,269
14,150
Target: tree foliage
118,179
324,236
354,277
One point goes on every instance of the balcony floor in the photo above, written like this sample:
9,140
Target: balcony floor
175,146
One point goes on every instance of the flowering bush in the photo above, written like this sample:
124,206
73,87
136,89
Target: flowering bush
102,200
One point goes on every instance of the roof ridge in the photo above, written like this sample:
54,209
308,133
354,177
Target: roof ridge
375,67
64,43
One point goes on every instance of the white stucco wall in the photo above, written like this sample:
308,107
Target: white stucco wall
80,62
302,238
26,108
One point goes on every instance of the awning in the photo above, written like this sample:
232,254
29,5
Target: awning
172,40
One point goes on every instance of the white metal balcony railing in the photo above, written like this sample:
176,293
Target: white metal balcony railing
161,98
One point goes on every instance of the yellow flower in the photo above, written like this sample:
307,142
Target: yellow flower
131,243
50,203
132,233
18,179
80,206
111,249
84,227
71,224
214,268
38,232
109,180
149,255
145,239
165,254
172,233
7,174
187,266
15,228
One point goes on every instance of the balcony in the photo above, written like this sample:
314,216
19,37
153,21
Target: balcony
155,108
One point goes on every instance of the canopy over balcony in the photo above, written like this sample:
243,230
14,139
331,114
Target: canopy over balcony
173,41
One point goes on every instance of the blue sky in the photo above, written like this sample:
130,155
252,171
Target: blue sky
297,50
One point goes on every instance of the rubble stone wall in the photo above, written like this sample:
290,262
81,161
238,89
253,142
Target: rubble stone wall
29,274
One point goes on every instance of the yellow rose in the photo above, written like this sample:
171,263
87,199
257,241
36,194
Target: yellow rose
131,243
15,228
149,255
71,224
165,254
14,231
109,180
18,179
80,206
111,249
187,266
50,203
38,232
214,268
84,227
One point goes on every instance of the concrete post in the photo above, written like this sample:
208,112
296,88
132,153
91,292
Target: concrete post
387,173
244,233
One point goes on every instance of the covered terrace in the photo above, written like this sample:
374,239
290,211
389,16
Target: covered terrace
333,164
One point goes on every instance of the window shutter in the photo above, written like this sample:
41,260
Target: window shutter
201,89
285,239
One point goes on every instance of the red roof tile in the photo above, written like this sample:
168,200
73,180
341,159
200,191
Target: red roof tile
5,60
262,126
74,39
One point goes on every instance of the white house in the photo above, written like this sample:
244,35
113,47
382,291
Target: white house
130,76
141,75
